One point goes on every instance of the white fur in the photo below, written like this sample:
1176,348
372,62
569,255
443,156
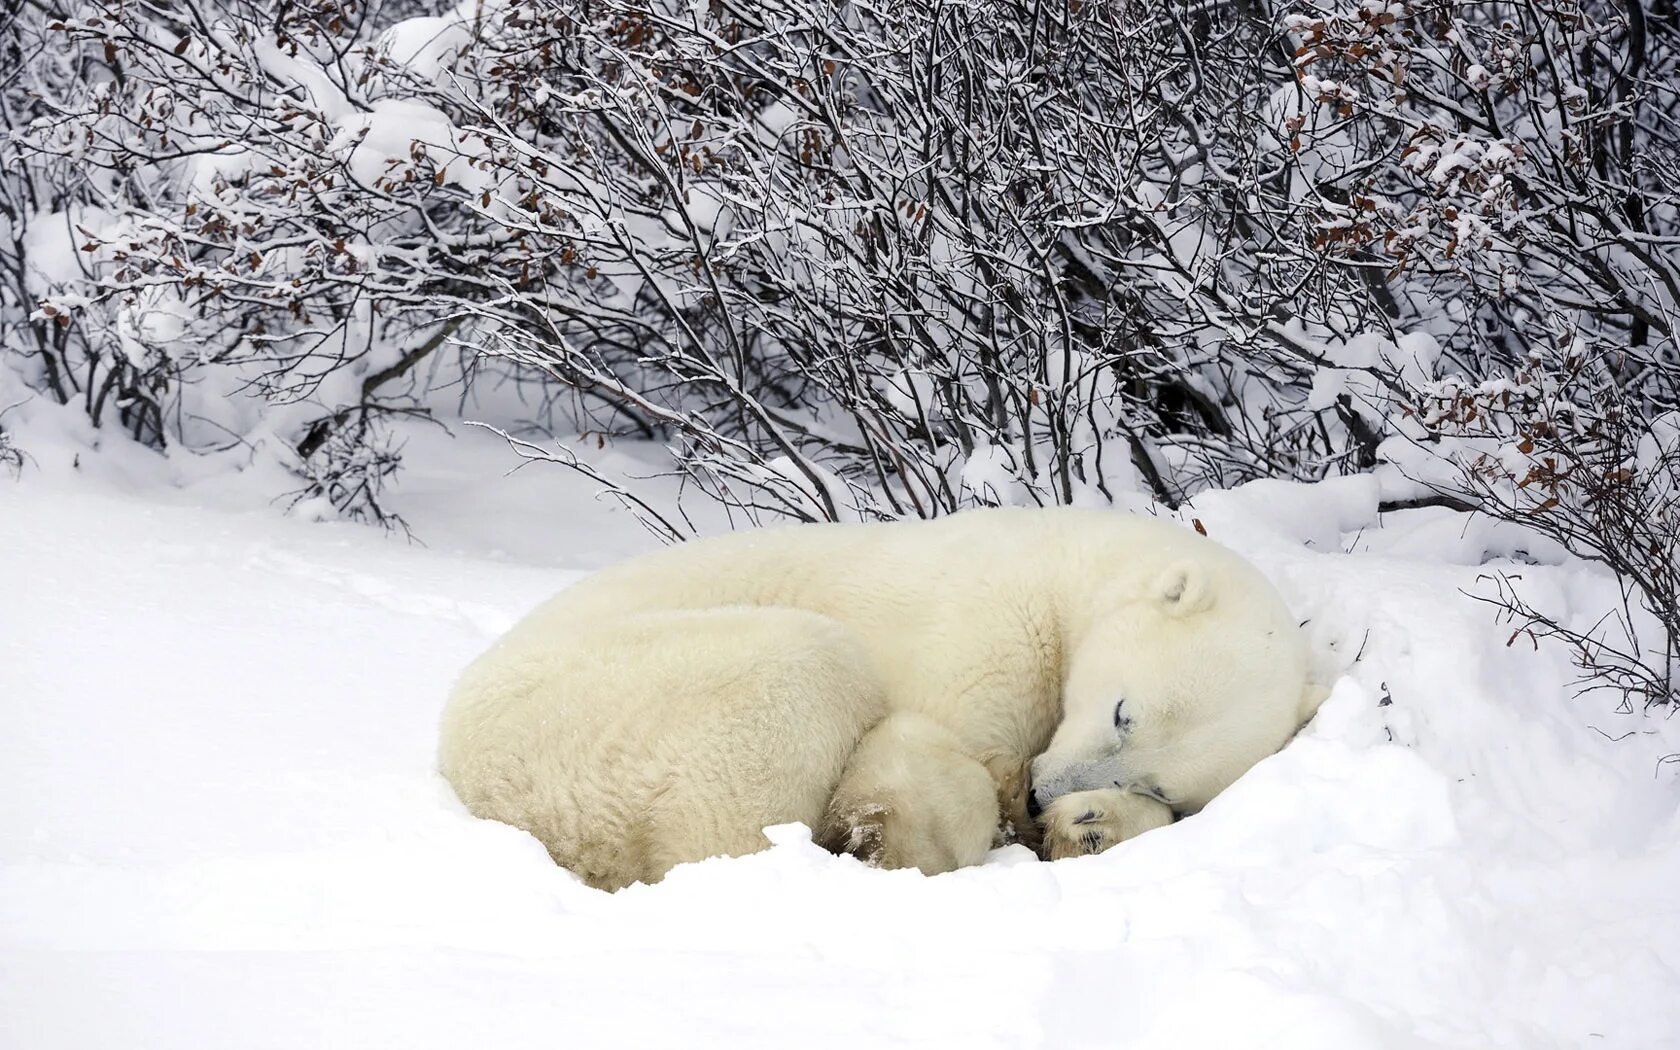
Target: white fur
1208,676
886,684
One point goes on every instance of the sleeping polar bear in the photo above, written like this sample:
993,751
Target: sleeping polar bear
886,684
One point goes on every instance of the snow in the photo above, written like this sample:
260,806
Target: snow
428,44
391,128
989,476
220,825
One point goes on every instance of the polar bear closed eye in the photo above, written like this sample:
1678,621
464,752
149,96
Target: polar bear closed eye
1175,695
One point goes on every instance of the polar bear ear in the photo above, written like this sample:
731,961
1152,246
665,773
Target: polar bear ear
1183,589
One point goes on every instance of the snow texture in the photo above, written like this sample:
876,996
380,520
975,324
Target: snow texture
220,825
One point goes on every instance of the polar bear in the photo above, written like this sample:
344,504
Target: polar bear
887,684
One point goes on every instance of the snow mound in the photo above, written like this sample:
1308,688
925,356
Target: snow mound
220,824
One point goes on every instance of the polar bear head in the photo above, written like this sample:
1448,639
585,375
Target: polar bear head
1177,691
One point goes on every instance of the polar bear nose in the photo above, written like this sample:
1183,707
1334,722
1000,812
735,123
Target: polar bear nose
1034,806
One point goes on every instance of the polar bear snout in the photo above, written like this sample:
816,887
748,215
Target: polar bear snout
1045,788
1051,779
1035,804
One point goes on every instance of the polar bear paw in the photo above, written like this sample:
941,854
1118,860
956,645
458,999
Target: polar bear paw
856,830
1087,822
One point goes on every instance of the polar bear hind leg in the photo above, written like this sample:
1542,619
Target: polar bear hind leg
911,798
635,744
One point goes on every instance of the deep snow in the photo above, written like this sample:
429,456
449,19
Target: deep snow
220,825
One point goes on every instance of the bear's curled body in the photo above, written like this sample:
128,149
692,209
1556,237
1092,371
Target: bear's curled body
868,680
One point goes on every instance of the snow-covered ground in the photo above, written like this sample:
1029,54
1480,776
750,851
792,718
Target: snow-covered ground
220,826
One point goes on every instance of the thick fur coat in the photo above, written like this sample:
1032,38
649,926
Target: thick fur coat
889,685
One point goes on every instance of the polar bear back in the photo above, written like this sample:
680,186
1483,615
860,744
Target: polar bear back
978,596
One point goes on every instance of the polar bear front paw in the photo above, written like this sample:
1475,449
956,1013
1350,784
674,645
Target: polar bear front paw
1087,822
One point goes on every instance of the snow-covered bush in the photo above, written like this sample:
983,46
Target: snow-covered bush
896,260
1517,170
208,202
854,260
1570,454
844,260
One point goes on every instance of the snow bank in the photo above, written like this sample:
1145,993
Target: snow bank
219,824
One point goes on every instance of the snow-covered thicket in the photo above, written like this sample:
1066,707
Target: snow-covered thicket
856,260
